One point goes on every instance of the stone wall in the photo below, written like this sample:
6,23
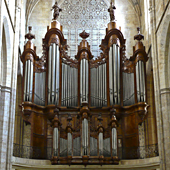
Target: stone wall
160,20
10,20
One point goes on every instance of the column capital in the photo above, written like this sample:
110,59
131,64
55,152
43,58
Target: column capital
84,111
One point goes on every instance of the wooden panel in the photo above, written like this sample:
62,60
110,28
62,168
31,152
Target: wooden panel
39,135
130,137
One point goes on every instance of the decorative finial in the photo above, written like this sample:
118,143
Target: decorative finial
30,36
57,10
84,35
111,10
139,36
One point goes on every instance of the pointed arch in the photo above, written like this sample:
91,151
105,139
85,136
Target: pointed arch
6,55
163,52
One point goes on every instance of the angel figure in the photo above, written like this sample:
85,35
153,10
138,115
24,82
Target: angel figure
56,9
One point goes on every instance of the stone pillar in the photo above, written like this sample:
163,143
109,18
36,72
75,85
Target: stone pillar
150,123
161,114
13,84
5,99
8,94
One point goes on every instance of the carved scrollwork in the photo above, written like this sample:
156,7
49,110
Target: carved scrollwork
67,59
84,56
94,63
124,58
54,41
40,66
128,66
113,41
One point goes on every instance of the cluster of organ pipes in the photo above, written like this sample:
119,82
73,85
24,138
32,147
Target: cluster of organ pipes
53,74
114,73
98,81
98,86
69,86
80,86
140,81
28,80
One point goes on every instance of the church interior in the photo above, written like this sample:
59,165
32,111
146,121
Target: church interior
85,84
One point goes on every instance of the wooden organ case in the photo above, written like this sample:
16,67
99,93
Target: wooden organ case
84,108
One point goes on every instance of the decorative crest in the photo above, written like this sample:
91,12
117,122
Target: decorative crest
111,10
84,35
30,36
69,118
139,36
100,117
57,10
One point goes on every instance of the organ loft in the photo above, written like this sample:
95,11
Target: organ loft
87,108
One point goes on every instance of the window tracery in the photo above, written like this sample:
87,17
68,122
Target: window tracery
89,15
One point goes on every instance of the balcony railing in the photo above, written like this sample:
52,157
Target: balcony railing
123,153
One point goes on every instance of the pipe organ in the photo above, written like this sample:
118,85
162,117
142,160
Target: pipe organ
84,99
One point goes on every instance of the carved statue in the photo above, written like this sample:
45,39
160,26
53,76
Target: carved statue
56,9
111,11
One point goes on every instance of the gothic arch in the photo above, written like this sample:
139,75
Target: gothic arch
163,54
7,54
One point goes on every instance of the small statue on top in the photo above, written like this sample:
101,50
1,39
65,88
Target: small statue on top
56,9
111,11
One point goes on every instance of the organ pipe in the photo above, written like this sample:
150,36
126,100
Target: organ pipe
69,143
98,86
114,142
85,136
28,81
114,134
53,74
49,75
100,135
56,124
140,81
114,74
84,80
69,85
100,143
55,141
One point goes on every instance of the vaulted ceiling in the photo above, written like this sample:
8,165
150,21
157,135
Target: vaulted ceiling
30,5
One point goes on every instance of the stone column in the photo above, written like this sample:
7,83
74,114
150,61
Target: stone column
13,84
5,99
160,116
8,97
